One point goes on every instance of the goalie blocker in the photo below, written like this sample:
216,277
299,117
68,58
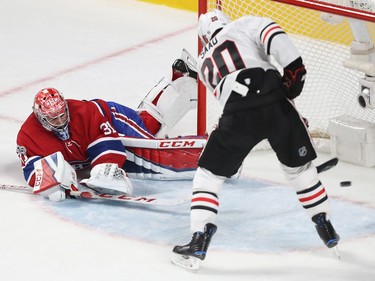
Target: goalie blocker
54,177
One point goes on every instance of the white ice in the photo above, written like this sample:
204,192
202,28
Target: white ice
117,50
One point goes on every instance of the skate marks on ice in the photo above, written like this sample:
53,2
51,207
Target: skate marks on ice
259,217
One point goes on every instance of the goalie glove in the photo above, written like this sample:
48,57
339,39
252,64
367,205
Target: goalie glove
294,78
54,177
108,178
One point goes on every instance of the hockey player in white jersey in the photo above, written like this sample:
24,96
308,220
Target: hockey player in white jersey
235,65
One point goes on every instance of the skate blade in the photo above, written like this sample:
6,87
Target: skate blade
336,252
186,262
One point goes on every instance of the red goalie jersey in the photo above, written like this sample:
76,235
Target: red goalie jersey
88,133
92,139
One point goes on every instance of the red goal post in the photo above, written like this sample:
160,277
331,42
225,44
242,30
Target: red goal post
202,99
335,40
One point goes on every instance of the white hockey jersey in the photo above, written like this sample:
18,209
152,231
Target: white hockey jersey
248,42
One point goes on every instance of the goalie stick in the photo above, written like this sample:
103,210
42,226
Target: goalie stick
192,264
88,194
143,200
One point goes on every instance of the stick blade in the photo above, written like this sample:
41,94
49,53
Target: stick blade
327,165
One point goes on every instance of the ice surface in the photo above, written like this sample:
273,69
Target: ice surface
117,50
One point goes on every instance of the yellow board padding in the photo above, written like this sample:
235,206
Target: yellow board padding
289,17
293,19
189,5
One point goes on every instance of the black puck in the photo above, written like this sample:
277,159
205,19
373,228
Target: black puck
345,183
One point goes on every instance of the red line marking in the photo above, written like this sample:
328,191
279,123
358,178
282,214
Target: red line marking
11,119
95,61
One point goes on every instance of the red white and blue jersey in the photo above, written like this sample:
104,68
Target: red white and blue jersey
248,42
94,127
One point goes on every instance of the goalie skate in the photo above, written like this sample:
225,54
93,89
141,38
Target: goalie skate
186,65
190,62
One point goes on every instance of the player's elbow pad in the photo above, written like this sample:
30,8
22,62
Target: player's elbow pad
294,78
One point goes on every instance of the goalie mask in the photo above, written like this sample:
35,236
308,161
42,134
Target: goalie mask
209,23
51,109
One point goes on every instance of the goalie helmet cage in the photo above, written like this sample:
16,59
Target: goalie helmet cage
323,33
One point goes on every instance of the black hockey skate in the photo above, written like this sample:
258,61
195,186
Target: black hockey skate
325,230
189,256
182,67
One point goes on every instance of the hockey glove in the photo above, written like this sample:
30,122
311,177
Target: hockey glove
294,78
109,178
54,177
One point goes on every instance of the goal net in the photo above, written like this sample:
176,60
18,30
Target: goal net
324,40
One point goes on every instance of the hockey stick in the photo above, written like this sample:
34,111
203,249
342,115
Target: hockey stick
150,200
88,194
327,165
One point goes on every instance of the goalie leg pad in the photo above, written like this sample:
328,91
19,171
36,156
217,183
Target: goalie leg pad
168,102
163,159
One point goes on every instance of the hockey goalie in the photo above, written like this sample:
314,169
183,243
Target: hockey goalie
105,143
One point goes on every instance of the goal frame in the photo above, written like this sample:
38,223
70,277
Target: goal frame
316,5
330,8
202,93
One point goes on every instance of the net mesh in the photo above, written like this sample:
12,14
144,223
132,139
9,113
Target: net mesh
331,89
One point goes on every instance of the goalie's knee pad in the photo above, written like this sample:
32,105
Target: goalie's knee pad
168,102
